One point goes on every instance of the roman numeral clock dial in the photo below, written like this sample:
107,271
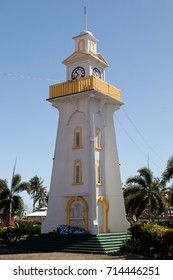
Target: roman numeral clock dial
97,73
77,73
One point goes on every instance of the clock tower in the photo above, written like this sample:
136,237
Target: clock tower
86,189
85,61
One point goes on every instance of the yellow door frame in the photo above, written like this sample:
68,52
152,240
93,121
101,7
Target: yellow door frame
105,212
68,207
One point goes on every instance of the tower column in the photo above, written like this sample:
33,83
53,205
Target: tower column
85,185
92,176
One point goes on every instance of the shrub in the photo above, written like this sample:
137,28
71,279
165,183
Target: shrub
150,239
168,224
2,230
20,229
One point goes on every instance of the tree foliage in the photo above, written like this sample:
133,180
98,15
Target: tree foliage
143,193
168,173
38,192
10,202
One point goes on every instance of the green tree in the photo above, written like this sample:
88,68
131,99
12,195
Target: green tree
38,192
168,194
168,173
143,193
11,203
167,176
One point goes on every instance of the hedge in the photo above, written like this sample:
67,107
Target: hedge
20,230
151,240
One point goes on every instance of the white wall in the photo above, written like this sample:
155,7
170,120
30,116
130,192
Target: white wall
88,110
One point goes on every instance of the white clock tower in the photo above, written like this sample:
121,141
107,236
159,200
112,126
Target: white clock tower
85,186
89,61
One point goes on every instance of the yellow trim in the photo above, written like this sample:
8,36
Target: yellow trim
75,146
79,163
84,84
105,212
92,46
73,57
85,204
100,56
98,138
81,45
98,170
96,56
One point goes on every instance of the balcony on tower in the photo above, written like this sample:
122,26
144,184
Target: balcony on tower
84,84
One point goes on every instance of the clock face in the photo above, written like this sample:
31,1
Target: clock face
97,73
78,73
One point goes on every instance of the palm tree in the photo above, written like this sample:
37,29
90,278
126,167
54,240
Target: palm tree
168,194
38,192
142,193
167,176
168,173
11,203
41,198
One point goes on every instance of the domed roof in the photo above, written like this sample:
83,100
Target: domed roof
86,32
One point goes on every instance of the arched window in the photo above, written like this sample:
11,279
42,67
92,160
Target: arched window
98,138
77,142
92,47
77,172
81,45
98,173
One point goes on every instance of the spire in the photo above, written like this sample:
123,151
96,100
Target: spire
85,19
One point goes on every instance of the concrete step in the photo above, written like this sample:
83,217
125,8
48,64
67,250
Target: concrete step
102,243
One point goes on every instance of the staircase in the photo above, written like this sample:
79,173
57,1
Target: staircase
82,243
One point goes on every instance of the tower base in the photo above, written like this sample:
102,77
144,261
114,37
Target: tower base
78,243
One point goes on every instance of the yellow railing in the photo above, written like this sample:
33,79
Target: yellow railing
84,84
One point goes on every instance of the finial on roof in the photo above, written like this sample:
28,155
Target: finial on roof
85,19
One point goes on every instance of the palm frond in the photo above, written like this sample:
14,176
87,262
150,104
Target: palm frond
17,205
135,180
3,185
5,194
168,173
146,174
129,190
143,193
24,186
15,181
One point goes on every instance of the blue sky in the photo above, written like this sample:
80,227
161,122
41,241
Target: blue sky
135,37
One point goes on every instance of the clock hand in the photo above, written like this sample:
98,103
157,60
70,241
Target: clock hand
76,74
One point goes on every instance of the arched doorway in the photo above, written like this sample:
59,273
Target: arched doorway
102,214
77,212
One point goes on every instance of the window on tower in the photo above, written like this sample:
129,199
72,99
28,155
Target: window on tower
77,138
98,138
98,173
77,172
92,47
81,45
77,142
77,175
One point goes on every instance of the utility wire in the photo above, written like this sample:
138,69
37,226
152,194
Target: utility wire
132,140
136,145
142,137
28,77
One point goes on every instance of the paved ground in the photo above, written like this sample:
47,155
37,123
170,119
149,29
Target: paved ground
12,254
